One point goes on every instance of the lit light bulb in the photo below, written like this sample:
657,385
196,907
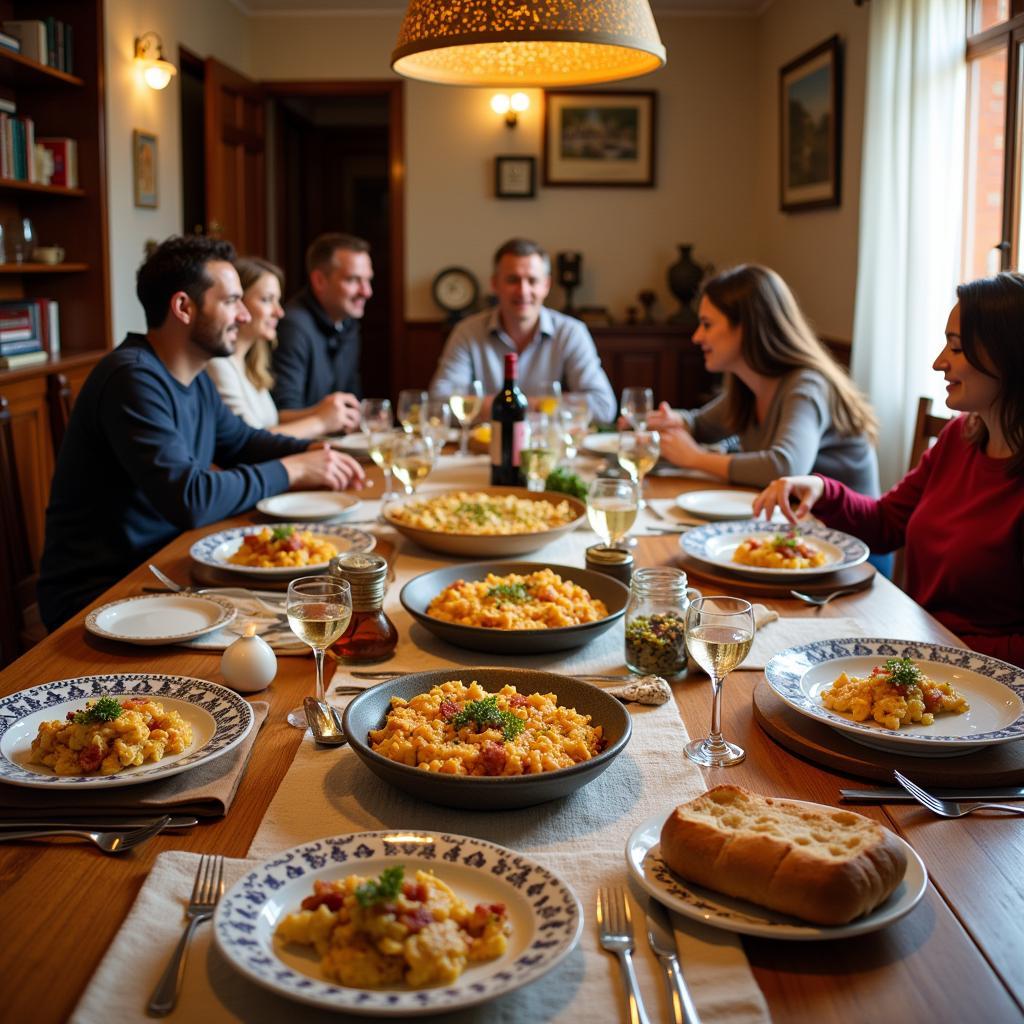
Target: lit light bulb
500,103
158,74
519,101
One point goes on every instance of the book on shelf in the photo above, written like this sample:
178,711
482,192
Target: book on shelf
9,42
13,348
23,359
32,36
65,159
8,106
21,319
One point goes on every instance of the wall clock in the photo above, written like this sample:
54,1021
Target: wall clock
455,290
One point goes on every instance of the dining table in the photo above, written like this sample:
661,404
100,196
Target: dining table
958,955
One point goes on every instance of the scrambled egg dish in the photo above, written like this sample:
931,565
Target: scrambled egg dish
110,734
541,600
282,546
382,932
894,694
483,514
783,551
464,730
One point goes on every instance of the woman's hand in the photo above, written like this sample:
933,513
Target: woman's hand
323,468
806,489
679,447
338,412
664,418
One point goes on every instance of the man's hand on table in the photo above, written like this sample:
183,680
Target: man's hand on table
339,412
322,467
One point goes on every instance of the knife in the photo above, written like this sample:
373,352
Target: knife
177,821
663,942
896,795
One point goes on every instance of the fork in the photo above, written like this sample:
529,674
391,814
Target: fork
820,602
207,890
949,808
108,842
616,930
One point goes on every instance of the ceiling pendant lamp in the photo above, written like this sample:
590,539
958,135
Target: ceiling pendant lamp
527,43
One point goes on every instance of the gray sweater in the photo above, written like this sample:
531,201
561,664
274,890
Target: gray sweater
796,437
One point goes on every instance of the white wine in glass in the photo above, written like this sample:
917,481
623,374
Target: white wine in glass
639,451
381,448
410,409
412,459
319,609
465,406
611,509
719,632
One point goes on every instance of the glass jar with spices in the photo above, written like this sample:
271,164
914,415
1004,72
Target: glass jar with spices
656,622
371,635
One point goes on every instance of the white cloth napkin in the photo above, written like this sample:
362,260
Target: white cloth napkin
273,628
776,634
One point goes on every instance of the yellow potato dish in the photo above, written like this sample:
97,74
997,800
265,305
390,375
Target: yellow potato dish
783,551
383,932
481,514
464,730
109,735
894,694
281,547
540,600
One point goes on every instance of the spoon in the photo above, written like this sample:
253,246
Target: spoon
324,723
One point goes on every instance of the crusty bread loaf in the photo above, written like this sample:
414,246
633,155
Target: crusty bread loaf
819,863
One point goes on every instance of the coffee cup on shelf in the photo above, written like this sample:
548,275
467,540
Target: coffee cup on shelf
48,254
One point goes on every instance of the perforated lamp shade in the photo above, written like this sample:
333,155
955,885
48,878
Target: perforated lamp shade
527,43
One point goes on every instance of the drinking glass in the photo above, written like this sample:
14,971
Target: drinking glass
374,415
611,509
319,609
575,417
435,422
719,632
465,404
24,241
637,405
410,409
381,446
412,459
638,454
545,396
539,454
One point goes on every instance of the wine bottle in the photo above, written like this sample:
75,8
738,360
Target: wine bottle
508,415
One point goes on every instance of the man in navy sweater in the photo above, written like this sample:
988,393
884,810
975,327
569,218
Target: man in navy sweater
137,464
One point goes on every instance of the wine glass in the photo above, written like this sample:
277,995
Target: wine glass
319,609
637,405
719,632
611,509
539,454
545,397
575,416
465,404
412,459
410,409
375,415
435,422
381,446
638,454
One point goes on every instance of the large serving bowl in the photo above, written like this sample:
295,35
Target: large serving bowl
419,592
368,710
489,545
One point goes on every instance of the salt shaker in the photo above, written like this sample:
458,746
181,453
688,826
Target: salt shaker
249,663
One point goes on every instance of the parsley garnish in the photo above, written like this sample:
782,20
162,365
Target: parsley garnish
473,510
487,714
106,709
903,672
785,541
384,890
564,481
516,593
282,532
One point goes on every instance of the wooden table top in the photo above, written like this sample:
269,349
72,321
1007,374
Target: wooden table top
956,956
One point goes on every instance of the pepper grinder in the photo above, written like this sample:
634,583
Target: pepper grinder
249,663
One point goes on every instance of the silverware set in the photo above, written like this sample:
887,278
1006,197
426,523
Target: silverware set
109,841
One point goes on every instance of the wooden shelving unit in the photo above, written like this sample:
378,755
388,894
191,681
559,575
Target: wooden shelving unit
48,190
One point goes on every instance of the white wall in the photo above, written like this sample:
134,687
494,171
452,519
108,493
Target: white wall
207,27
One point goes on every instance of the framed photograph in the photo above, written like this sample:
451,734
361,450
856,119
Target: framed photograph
144,168
515,177
602,139
810,128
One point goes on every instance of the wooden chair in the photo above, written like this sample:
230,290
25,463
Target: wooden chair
59,399
20,625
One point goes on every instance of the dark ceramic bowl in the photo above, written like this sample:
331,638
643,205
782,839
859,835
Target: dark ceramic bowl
368,710
419,592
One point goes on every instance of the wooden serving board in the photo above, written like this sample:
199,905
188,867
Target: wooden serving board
859,576
998,766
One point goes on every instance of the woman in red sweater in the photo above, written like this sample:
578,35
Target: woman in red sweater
960,511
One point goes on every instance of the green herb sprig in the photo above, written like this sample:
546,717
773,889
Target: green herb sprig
385,889
903,672
565,482
473,510
513,593
282,532
487,714
106,709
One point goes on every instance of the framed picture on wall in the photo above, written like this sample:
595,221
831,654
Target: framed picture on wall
515,177
144,168
603,139
810,128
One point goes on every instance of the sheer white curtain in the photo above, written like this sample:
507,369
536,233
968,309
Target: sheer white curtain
911,209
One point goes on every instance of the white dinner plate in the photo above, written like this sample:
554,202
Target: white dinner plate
220,720
715,543
309,506
720,506
160,618
602,444
994,689
643,857
215,549
359,443
545,915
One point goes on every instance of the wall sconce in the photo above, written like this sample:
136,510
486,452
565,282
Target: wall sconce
511,106
149,53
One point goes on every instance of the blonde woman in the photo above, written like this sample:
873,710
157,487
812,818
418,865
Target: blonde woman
786,407
244,379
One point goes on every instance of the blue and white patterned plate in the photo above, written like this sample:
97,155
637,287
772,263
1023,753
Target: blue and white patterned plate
715,543
993,688
217,548
545,915
643,857
220,720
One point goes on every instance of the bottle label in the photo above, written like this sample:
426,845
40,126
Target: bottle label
518,439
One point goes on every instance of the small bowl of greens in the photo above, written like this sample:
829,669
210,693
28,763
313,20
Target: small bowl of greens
489,792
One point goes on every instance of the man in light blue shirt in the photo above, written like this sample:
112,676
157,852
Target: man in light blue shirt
551,346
